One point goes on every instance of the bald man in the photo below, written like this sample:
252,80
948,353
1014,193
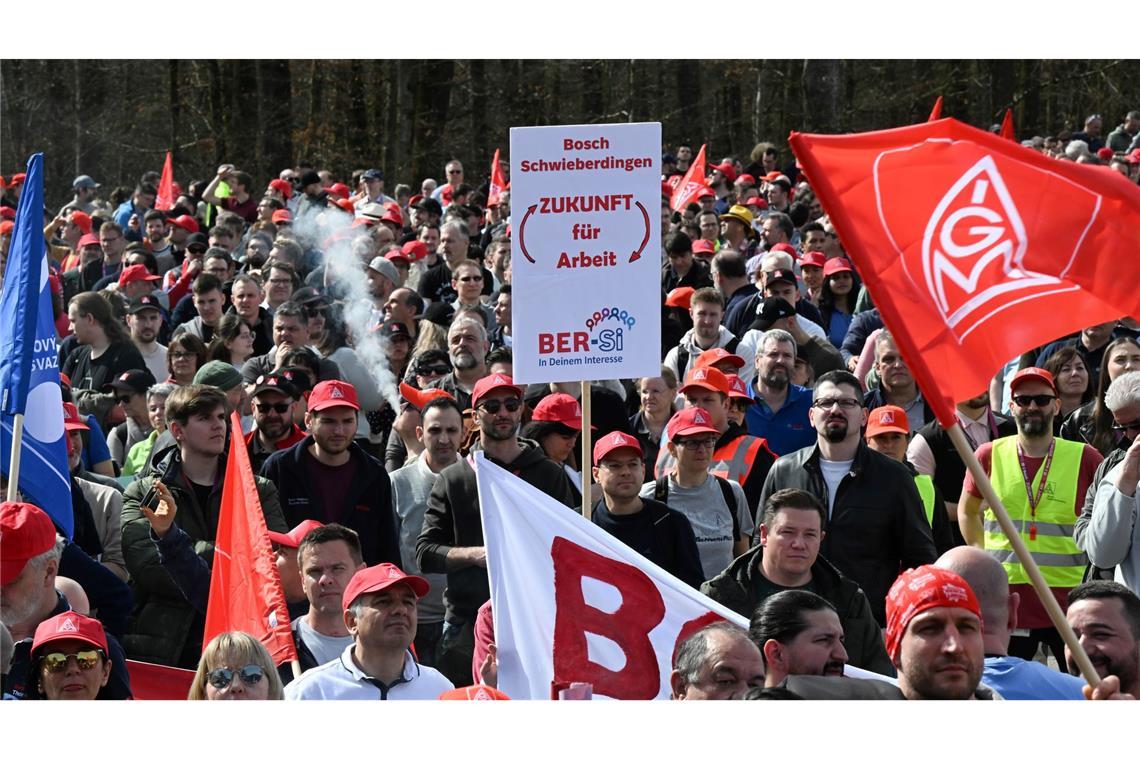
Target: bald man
1011,677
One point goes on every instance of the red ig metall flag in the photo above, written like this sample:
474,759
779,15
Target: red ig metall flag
694,179
245,588
974,248
498,182
165,198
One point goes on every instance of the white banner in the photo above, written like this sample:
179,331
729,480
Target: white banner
586,251
573,603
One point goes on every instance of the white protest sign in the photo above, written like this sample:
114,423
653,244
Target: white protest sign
586,252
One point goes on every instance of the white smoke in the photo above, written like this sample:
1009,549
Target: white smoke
330,230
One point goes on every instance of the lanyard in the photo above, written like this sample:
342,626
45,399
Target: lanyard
1033,502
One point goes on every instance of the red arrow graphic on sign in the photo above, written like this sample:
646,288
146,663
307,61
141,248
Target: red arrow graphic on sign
637,254
522,230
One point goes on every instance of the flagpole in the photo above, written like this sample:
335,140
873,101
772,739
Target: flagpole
14,466
587,449
296,666
982,480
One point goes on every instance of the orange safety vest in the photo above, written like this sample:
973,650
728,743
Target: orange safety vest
732,461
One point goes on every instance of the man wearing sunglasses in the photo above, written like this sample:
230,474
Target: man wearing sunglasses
1107,528
129,389
1042,481
452,538
876,522
272,402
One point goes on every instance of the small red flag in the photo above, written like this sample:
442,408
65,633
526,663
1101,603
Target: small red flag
245,588
498,181
973,248
1007,125
936,112
694,180
165,198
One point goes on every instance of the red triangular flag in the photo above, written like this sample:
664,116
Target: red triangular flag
974,249
694,180
245,588
1007,125
498,181
165,198
936,112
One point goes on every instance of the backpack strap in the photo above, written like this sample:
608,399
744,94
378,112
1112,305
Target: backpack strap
661,489
730,502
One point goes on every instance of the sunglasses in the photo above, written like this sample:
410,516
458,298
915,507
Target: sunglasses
220,678
1042,400
1133,426
267,408
493,406
473,278
57,662
435,369
122,399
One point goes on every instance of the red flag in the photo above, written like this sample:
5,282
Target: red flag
1007,126
165,198
973,248
498,182
150,681
936,112
693,181
245,589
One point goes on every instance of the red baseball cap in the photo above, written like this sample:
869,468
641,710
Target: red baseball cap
757,202
493,383
283,186
1133,157
774,174
559,407
25,532
293,538
415,250
414,200
813,259
703,246
330,393
421,398
282,215
70,626
691,421
81,220
373,579
392,215
477,693
136,273
887,419
1033,373
838,264
6,227
727,169
786,248
89,239
7,212
344,204
715,356
397,255
339,189
72,419
737,389
747,178
611,442
681,298
709,378
186,222
706,192
17,179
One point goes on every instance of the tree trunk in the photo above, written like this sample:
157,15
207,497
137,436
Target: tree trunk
275,116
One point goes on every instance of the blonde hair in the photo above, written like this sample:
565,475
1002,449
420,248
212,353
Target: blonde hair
235,647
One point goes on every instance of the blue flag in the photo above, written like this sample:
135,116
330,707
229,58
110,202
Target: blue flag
29,361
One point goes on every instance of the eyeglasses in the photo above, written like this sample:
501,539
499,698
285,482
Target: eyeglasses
696,443
844,403
267,408
472,278
180,355
122,399
1042,400
220,678
57,662
1133,426
435,369
318,311
493,406
454,171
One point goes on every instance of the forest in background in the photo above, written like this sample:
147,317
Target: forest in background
115,119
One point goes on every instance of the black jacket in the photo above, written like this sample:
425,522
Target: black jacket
369,494
878,526
736,588
662,535
453,519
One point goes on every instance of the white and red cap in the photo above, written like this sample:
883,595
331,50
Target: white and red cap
611,442
559,407
70,626
691,421
373,579
293,538
332,393
494,382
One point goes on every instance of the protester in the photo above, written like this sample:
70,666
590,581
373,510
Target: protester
271,402
798,633
657,396
1105,616
184,357
780,414
235,665
717,662
67,667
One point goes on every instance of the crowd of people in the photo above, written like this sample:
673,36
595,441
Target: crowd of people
783,460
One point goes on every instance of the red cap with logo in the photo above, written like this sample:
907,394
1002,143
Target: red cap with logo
70,626
838,264
1033,373
813,259
25,532
691,421
560,407
494,382
420,398
338,189
887,419
611,442
703,248
373,579
396,254
756,202
477,693
708,378
71,418
392,215
737,389
186,222
332,393
715,356
921,589
293,538
136,273
727,169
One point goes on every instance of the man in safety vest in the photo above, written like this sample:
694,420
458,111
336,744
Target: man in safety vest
1042,481
738,456
888,431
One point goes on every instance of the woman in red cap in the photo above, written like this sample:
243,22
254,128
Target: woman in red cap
837,298
70,652
555,426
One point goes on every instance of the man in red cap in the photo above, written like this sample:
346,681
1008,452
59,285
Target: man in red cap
656,532
328,477
1042,481
716,506
88,271
380,612
28,568
934,635
452,538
